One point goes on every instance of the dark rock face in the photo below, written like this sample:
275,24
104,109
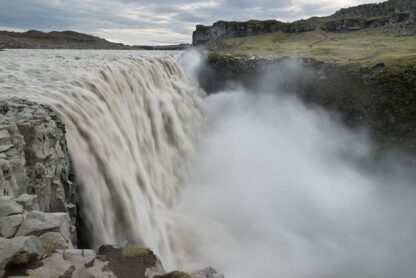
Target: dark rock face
378,98
130,261
351,19
232,29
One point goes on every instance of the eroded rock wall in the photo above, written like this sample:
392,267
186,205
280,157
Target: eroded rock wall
392,12
34,157
381,99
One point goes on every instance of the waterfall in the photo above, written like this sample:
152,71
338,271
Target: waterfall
130,124
274,187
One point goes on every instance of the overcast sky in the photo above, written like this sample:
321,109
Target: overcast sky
152,22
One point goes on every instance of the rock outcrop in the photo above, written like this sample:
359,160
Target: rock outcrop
232,29
38,245
391,12
35,167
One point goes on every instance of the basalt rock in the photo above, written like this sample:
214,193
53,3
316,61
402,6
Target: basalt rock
35,167
392,12
232,29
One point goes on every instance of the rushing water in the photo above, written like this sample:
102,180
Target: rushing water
252,184
131,118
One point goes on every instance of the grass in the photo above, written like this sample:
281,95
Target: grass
367,47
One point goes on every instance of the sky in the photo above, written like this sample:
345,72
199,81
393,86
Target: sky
143,22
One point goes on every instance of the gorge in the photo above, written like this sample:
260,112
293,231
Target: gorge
179,175
270,149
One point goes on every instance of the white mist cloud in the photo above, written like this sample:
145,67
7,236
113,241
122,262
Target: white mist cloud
278,191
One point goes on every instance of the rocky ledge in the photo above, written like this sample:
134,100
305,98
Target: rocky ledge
38,245
34,162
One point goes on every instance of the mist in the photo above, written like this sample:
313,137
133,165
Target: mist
281,189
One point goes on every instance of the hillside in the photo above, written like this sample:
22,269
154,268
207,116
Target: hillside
367,47
68,40
65,39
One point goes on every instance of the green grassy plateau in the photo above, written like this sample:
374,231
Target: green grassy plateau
367,47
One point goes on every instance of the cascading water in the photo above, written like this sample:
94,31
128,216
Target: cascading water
276,188
130,127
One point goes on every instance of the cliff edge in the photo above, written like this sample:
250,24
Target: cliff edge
392,12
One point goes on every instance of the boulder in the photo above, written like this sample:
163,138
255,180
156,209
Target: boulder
9,207
19,251
208,272
38,223
71,263
10,224
130,262
53,266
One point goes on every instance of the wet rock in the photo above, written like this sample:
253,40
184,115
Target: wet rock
9,207
208,272
130,261
71,263
19,251
38,223
9,225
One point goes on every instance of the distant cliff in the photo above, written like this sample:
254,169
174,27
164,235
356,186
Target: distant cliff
350,19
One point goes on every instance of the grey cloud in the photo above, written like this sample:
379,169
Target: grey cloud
95,15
